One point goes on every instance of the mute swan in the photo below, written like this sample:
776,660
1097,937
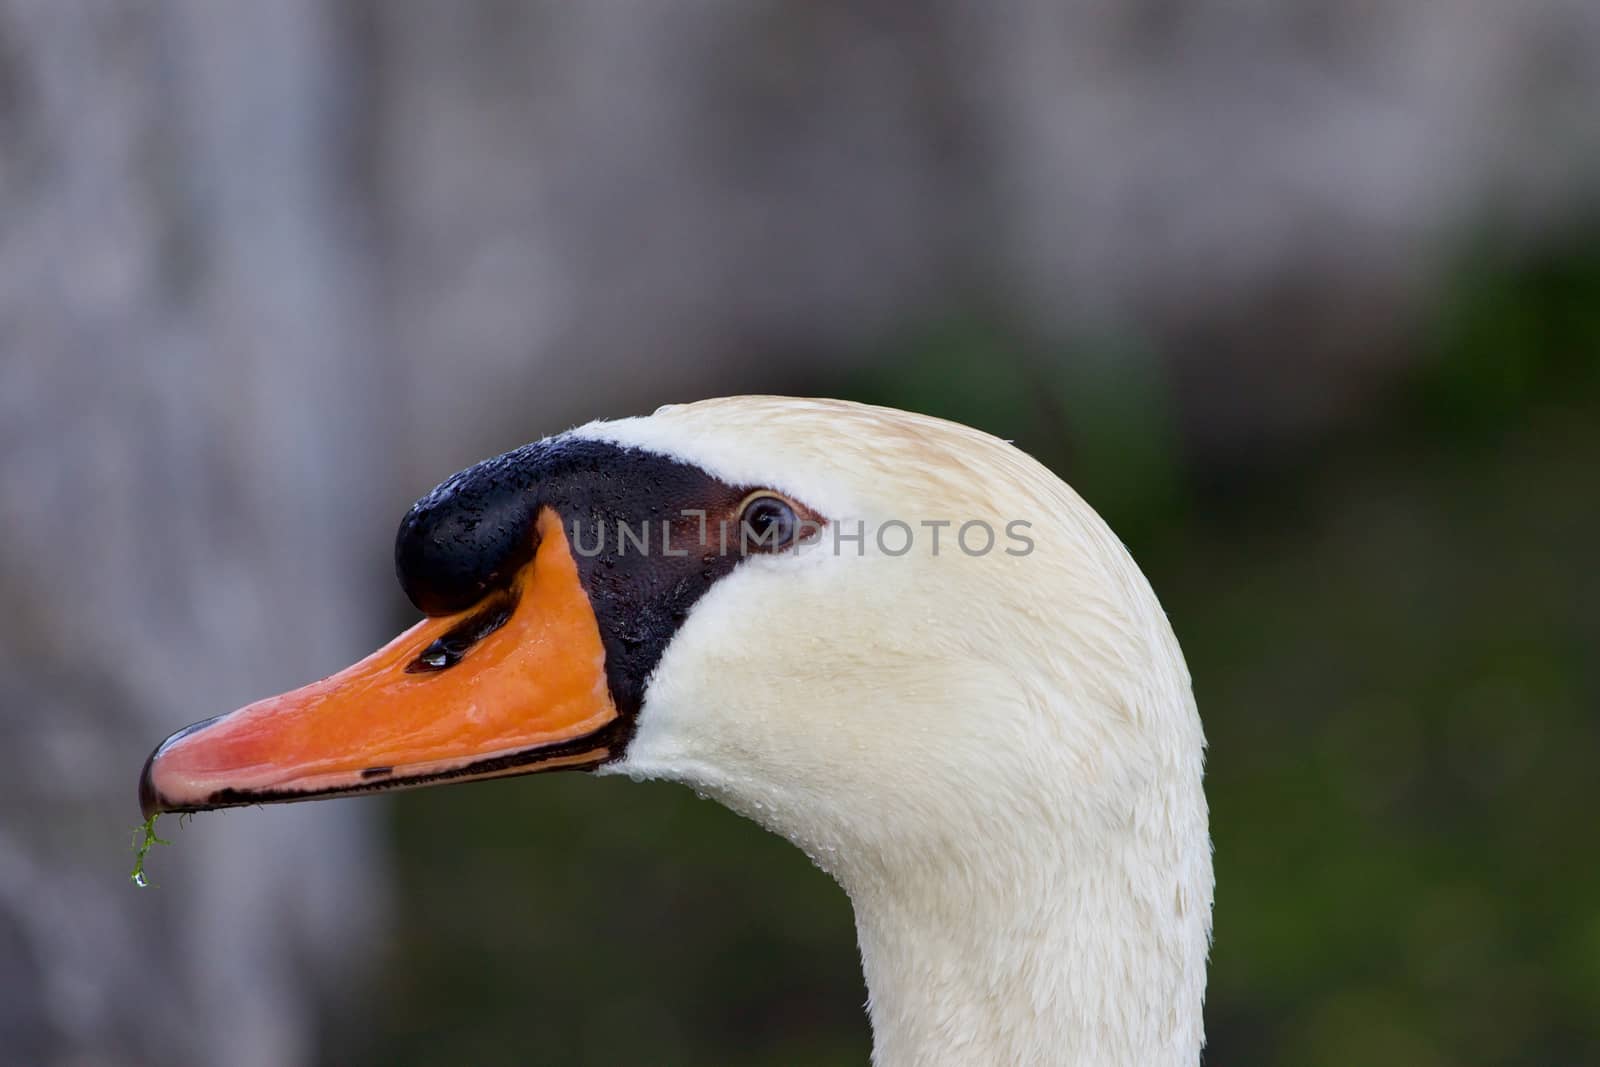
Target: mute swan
993,750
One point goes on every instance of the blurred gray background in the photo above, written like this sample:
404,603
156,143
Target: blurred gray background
1301,295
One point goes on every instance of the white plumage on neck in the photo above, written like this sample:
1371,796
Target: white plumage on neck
997,756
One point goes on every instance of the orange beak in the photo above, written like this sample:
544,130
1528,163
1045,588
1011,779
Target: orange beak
515,684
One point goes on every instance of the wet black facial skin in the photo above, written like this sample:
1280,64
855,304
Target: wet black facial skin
464,542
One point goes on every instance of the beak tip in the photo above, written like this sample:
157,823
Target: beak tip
151,800
150,803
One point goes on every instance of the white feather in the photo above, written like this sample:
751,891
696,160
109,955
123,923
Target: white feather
998,756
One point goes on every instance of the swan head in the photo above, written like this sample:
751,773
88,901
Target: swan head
899,642
961,652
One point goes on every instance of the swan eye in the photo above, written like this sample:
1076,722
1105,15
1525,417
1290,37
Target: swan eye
767,522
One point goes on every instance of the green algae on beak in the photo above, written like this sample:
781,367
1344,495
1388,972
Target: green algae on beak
144,838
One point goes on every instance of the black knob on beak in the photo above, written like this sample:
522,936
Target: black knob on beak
470,535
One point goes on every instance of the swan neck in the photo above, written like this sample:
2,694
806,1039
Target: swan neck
1053,967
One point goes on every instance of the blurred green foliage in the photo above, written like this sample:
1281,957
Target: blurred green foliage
1393,638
